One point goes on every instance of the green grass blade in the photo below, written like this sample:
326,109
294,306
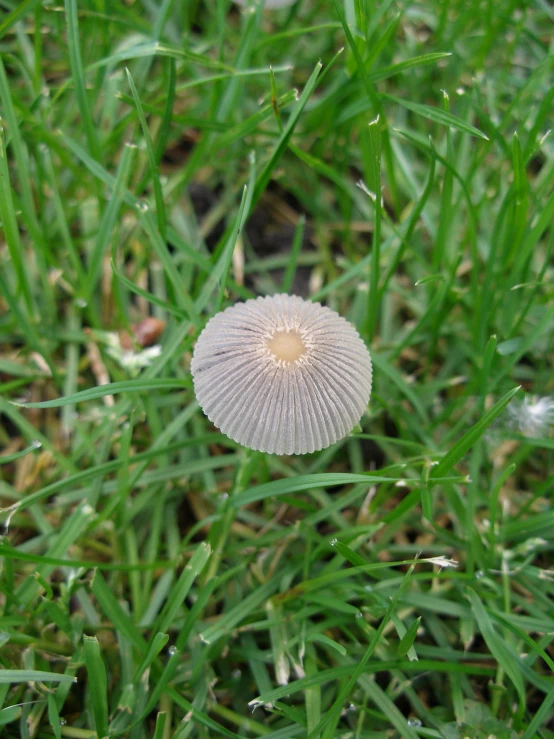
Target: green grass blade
98,684
543,714
337,706
497,645
439,116
266,173
9,458
78,74
302,482
407,641
158,643
159,245
160,725
117,616
126,386
418,61
296,246
24,6
373,175
8,677
221,269
181,588
469,439
165,127
54,716
108,223
11,229
152,162
154,299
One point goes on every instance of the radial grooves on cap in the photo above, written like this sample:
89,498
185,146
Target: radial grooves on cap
283,407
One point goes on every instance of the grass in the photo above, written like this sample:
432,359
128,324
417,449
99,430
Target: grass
165,160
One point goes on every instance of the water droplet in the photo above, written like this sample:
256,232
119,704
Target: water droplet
36,444
414,722
479,574
359,614
63,722
351,708
143,206
172,650
333,542
81,303
236,674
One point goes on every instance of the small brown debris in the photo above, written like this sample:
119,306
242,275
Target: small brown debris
148,331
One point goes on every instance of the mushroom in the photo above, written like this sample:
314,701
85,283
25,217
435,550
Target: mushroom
281,374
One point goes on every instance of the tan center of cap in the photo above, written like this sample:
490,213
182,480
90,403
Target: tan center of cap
286,346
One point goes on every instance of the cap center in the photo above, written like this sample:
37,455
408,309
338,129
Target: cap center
286,346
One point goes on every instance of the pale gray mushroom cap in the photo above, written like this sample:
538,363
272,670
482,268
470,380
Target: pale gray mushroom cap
282,375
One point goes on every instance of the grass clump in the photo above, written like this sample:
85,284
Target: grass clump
160,161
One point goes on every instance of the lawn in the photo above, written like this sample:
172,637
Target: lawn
161,161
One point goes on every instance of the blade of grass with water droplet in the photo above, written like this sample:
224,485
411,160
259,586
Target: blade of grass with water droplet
438,116
152,163
156,645
54,716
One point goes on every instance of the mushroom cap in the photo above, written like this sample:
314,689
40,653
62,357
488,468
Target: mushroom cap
281,374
